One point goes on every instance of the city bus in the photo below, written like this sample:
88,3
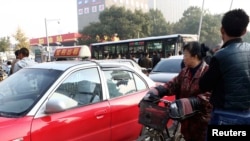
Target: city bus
166,46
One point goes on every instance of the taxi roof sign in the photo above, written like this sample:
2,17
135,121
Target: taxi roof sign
73,52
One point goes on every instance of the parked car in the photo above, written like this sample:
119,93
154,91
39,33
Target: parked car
87,100
166,69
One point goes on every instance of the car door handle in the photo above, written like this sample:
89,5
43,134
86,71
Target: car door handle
100,114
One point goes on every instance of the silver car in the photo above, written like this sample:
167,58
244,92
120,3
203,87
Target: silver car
166,69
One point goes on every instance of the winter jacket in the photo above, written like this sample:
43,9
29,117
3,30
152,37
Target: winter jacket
229,77
184,86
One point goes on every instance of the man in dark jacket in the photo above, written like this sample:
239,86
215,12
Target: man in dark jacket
228,76
155,58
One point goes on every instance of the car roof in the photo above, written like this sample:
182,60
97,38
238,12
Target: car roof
59,65
175,57
63,65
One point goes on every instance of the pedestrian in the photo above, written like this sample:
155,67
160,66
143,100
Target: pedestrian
186,85
155,58
206,55
228,76
146,62
140,59
14,61
9,67
180,52
23,55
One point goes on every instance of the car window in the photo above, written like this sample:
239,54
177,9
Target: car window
168,65
123,82
83,86
140,84
120,82
21,90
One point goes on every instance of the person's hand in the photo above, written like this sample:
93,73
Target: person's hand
150,96
205,106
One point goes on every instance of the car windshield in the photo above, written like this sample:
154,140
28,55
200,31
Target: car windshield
168,65
23,89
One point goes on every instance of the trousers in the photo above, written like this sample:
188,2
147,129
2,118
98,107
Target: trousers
227,117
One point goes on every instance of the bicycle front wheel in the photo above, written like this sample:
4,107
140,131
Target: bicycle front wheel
151,137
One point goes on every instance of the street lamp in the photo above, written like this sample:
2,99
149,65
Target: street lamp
47,37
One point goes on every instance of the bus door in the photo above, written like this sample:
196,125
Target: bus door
96,52
170,46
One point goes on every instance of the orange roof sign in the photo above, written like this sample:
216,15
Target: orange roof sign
73,51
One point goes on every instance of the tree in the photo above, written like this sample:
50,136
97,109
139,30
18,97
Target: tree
210,28
210,31
22,40
124,22
189,23
4,44
158,24
117,21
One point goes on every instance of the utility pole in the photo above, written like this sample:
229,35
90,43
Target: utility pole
199,30
47,37
231,5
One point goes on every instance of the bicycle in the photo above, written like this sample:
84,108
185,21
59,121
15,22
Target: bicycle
155,119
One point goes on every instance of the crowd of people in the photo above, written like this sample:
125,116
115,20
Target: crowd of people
145,62
218,87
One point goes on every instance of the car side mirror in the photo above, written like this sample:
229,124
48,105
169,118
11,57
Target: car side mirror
58,103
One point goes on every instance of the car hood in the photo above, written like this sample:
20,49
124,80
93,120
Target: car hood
162,77
15,128
14,121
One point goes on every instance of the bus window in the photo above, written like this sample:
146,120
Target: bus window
154,46
122,49
136,48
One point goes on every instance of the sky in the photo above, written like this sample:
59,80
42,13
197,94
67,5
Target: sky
61,15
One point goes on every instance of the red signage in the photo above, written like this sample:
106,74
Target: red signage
57,38
74,51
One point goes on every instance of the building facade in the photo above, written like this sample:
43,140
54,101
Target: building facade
88,11
172,10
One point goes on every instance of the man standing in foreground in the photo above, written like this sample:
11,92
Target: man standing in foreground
23,55
228,76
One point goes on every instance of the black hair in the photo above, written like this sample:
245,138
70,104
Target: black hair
9,63
194,48
24,51
234,22
180,52
16,52
204,50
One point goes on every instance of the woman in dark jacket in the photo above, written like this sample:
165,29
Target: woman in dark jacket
186,85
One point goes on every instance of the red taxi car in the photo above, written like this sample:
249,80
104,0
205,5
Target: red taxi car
72,100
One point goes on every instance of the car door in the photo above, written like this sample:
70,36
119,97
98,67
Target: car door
88,120
126,89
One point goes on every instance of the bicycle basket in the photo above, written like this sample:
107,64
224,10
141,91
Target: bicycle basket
152,115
